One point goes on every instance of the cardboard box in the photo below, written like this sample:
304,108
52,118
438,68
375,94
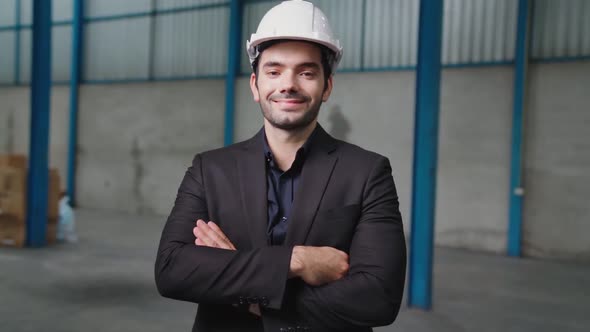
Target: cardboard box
13,160
13,232
13,183
13,179
54,193
13,204
51,231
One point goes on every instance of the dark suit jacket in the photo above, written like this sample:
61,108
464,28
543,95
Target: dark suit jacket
346,199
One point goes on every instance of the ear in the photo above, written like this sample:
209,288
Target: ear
254,88
328,90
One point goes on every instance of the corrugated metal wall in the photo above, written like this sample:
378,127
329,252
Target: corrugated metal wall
61,49
97,8
7,41
391,34
167,39
561,29
182,39
477,31
117,49
7,57
192,43
171,4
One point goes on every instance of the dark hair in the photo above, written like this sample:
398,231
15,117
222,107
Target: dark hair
327,57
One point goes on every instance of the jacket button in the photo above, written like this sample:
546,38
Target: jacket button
242,301
264,301
253,300
282,329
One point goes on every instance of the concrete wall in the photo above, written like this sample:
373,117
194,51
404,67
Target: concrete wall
474,158
136,141
557,162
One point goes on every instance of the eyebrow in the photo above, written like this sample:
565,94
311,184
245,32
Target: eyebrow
272,64
309,65
278,64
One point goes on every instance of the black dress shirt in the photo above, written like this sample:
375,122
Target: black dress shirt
281,187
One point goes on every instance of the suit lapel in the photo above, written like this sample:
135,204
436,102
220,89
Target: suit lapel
252,178
317,169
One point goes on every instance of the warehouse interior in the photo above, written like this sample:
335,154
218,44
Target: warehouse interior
116,98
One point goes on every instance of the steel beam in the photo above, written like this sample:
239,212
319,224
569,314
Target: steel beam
425,153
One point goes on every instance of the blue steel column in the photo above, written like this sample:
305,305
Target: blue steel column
233,68
363,32
520,73
40,115
152,42
75,79
425,153
17,23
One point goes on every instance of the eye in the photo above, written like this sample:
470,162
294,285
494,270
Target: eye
272,73
308,74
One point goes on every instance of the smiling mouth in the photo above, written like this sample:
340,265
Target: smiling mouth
288,101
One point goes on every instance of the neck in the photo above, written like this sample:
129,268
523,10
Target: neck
285,143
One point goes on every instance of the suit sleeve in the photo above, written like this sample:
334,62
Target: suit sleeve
371,294
185,271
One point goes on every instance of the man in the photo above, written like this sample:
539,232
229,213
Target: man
291,230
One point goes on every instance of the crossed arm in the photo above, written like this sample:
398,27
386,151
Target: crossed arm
314,265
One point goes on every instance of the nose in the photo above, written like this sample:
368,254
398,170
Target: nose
288,83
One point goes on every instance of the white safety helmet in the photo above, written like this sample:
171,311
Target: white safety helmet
295,20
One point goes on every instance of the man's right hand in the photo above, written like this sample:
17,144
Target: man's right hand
318,265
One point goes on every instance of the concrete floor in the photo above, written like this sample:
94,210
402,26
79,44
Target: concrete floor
105,283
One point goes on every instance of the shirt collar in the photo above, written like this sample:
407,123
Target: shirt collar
301,153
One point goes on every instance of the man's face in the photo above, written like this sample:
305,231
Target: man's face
290,84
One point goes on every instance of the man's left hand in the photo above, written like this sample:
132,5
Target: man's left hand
208,234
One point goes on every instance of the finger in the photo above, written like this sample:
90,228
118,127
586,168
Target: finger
213,235
255,309
203,236
199,242
221,240
196,229
219,232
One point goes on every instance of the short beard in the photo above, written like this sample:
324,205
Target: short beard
301,123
